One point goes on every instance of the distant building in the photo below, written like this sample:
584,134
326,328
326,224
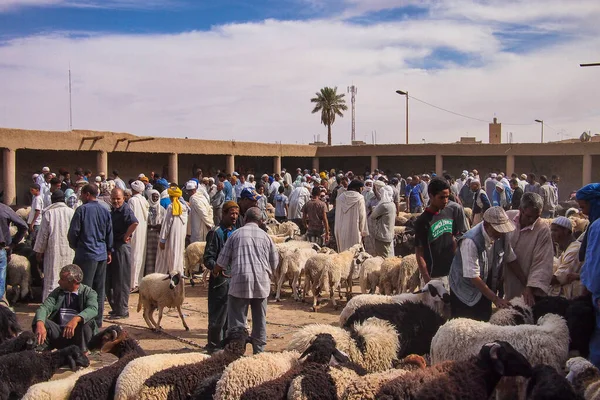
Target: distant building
495,132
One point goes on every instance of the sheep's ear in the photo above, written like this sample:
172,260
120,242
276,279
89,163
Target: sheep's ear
497,364
168,278
72,363
107,348
340,357
306,352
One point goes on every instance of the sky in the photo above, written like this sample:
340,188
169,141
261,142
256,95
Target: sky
246,69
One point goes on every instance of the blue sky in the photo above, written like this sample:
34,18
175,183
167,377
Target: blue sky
231,69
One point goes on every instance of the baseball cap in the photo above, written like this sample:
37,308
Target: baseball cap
249,194
497,218
191,185
236,174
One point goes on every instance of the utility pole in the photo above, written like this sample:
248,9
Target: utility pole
70,102
353,90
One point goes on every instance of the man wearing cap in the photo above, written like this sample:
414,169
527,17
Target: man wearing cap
248,199
218,284
476,267
52,244
251,256
350,217
201,213
140,207
532,243
566,280
481,201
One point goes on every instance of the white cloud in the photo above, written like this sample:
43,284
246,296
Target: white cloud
254,81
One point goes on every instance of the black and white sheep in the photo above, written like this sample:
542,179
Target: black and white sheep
100,384
25,341
415,323
18,371
518,313
584,377
158,291
474,378
547,384
181,381
9,326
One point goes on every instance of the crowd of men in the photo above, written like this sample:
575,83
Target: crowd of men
504,250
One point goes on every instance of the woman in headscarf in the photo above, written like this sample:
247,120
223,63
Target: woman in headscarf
156,215
370,206
350,217
499,196
172,234
71,198
384,217
588,198
368,192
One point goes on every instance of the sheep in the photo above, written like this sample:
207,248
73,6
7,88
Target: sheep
474,378
415,324
366,387
329,272
404,243
101,383
291,266
25,341
287,228
468,215
547,384
248,372
194,255
368,275
18,371
136,372
433,294
181,381
158,291
18,275
36,272
518,314
24,213
408,278
278,239
59,389
9,326
372,344
389,275
544,343
584,377
579,314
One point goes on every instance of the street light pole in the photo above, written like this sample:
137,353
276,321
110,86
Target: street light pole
541,121
402,93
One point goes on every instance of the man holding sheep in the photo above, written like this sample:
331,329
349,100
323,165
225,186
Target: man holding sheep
252,257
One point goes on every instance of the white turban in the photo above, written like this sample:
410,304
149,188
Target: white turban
191,185
138,186
387,195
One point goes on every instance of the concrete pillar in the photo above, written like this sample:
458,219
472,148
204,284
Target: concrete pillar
374,163
173,168
230,164
102,162
315,163
510,165
9,176
439,164
277,164
587,169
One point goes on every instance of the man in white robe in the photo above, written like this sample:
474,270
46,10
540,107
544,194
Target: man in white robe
201,213
298,198
171,246
52,244
350,217
140,206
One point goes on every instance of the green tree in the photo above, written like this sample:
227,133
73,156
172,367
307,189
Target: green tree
330,104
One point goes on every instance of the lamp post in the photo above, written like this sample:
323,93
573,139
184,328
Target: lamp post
402,93
541,121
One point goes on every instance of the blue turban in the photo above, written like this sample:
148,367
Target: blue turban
271,179
591,194
163,182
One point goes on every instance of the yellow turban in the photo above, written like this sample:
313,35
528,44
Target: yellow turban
323,175
175,193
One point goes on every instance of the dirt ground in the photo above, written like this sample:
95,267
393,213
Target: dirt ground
283,319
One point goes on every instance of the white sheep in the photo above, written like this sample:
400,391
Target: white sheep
433,294
372,344
59,389
18,275
248,372
288,228
408,277
584,377
369,274
158,291
544,343
132,378
290,267
518,314
389,275
194,256
23,213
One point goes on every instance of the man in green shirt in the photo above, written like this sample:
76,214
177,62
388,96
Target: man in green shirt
67,316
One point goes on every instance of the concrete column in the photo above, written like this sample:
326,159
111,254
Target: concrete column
277,164
510,165
230,164
315,163
102,162
173,168
374,163
439,164
587,169
9,176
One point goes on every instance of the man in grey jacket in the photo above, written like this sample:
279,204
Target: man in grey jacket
384,215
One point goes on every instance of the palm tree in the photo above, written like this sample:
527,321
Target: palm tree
330,104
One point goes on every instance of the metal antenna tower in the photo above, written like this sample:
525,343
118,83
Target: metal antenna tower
353,90
70,102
